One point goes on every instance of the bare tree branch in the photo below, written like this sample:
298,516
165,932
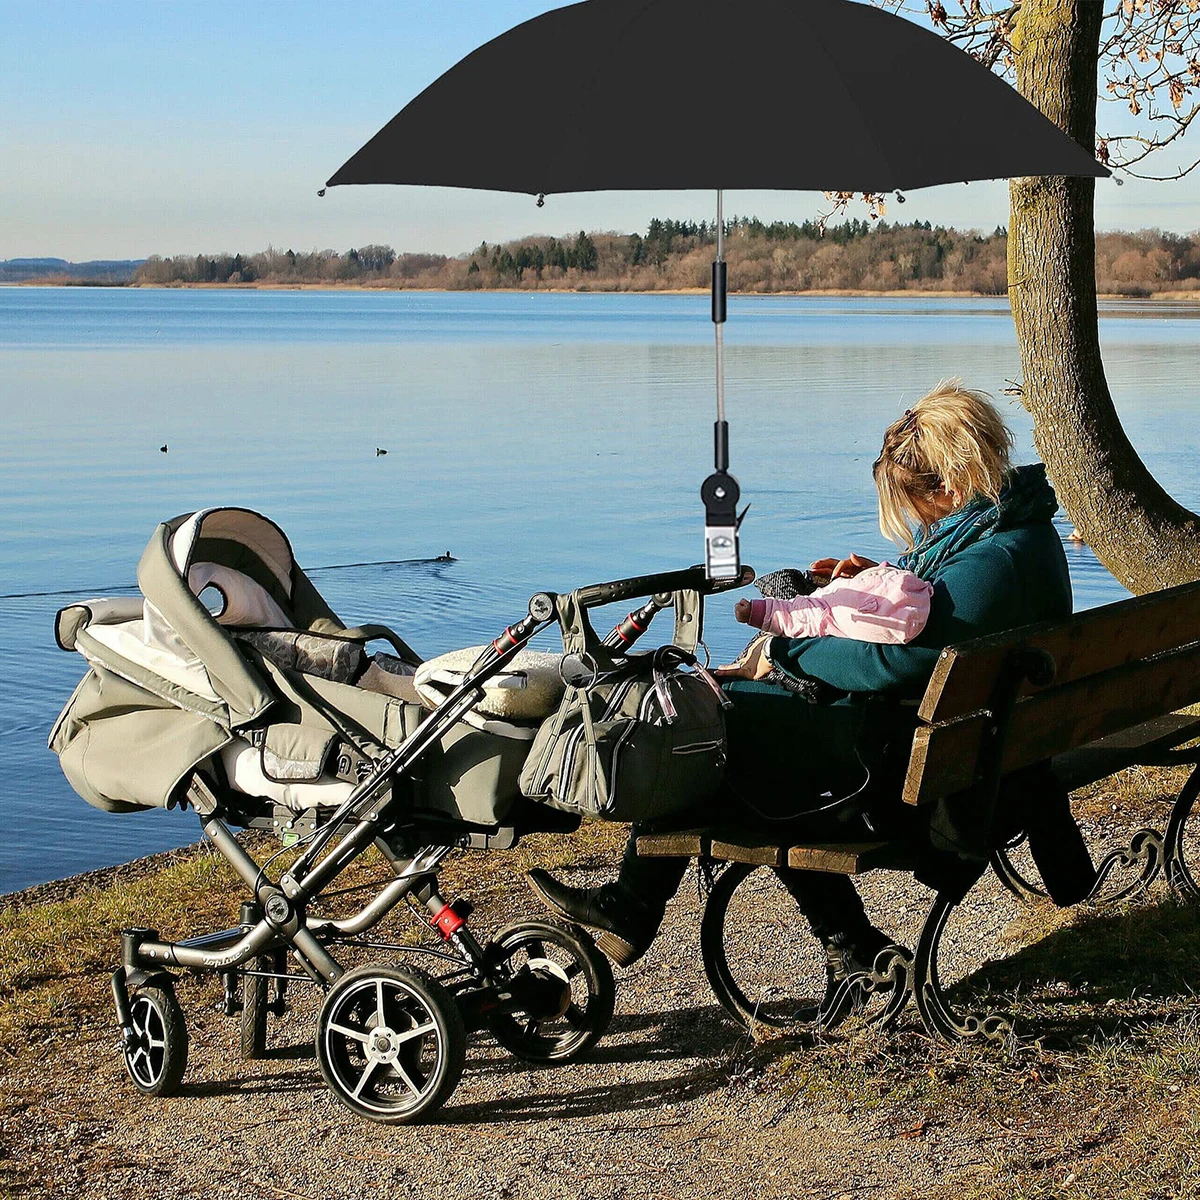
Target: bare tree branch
1149,62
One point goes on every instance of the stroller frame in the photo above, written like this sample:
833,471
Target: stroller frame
419,1032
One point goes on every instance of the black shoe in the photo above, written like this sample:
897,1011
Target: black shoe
625,925
846,956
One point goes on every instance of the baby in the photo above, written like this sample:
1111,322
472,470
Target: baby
880,604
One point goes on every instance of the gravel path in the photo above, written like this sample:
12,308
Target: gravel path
671,1103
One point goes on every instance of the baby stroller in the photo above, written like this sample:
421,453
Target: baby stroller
232,688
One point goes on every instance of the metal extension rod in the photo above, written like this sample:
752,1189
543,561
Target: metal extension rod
720,491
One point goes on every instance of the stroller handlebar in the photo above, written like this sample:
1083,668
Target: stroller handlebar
691,579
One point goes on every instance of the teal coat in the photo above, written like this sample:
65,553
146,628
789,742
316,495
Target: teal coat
1012,572
992,568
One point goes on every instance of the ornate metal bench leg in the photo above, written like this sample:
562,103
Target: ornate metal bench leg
1180,874
939,1018
1144,855
893,968
890,975
1012,878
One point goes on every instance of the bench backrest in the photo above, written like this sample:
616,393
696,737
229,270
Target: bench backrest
1113,667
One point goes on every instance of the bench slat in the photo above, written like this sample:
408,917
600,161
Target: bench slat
686,843
945,757
732,847
1077,768
1088,643
851,858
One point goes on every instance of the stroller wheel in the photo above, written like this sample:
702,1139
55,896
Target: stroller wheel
390,1043
254,1010
156,1054
564,987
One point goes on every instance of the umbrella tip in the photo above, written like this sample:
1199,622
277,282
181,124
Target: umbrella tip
541,200
320,191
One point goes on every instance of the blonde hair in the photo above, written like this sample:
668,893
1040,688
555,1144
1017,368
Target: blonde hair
952,440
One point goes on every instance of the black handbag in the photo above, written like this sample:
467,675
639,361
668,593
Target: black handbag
637,736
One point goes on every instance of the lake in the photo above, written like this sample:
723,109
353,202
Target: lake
546,441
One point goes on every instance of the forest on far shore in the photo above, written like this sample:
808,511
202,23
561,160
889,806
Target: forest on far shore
671,255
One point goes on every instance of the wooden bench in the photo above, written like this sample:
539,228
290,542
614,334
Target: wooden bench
1095,693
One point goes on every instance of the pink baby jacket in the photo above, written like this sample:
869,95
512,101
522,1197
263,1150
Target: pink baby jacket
880,604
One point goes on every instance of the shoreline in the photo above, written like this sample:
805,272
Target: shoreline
1177,296
53,891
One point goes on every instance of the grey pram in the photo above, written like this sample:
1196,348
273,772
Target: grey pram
230,687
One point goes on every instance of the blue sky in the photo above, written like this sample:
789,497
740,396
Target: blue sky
131,127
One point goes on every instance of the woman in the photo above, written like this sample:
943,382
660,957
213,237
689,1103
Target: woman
986,542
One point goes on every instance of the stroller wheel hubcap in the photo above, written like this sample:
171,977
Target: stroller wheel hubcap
390,1042
382,1047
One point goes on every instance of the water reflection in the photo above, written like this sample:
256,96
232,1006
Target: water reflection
545,440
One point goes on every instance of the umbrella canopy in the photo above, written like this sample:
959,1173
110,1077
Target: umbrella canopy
829,95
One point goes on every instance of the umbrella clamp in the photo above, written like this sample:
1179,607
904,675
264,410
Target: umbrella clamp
720,493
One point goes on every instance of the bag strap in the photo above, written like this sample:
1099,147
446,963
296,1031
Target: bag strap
580,638
577,633
689,620
597,783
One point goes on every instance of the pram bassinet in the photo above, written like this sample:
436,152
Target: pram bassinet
233,659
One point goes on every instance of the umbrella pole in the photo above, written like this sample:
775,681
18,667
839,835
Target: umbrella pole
720,491
721,429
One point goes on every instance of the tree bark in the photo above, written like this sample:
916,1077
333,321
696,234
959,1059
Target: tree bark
1143,536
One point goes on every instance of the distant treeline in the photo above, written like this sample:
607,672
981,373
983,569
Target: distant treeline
101,273
775,257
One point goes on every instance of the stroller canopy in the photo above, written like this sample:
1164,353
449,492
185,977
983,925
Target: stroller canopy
247,560
173,644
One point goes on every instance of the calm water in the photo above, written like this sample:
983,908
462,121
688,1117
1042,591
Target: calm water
546,441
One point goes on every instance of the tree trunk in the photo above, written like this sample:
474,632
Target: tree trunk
1140,533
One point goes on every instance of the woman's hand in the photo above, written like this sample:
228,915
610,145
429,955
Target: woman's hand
741,611
752,663
842,568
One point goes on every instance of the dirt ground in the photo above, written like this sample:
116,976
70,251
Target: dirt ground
676,1101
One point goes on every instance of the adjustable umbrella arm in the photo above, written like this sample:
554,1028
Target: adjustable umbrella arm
720,491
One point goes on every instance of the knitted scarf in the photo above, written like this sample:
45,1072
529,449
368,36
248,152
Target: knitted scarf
1025,497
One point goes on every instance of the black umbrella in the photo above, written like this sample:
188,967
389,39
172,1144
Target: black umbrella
828,95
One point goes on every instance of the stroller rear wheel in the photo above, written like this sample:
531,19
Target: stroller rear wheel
390,1043
156,1053
566,986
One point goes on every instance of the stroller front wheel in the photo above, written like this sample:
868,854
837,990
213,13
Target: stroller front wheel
156,1051
564,988
254,1010
390,1043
